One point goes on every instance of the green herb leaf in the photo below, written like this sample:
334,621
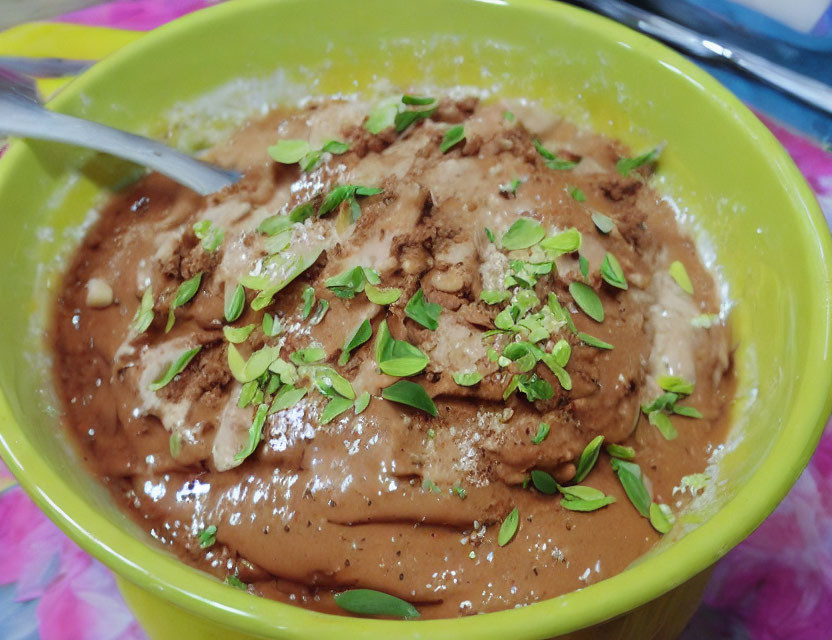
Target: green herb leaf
522,234
320,312
661,517
509,527
574,503
273,384
664,402
551,160
411,394
286,370
271,325
301,212
234,581
687,412
287,397
603,223
588,458
347,283
583,263
567,241
289,151
424,312
362,333
175,368
663,424
467,378
183,295
308,355
577,194
308,297
367,602
454,135
562,352
588,301
344,192
404,119
430,485
561,374
207,537
397,357
543,482
680,275
534,387
335,147
237,334
494,296
620,451
210,234
334,408
234,306
361,402
144,314
626,165
247,394
417,100
581,493
175,444
490,234
382,296
612,273
273,225
594,342
382,115
255,433
629,474
542,432
257,364
331,384
524,355
508,116
675,384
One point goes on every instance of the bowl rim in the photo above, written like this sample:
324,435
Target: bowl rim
165,576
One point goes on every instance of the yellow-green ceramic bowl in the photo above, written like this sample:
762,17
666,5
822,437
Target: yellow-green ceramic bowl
753,212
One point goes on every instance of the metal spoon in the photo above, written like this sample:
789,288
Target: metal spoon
22,115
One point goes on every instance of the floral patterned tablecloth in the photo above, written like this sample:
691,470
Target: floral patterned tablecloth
777,584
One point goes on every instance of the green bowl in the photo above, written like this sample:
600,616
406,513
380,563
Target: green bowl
754,215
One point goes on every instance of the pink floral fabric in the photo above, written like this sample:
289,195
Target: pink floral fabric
777,584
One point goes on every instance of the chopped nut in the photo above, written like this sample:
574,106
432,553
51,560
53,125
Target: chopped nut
99,293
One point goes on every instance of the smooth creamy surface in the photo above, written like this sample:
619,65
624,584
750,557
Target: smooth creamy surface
322,508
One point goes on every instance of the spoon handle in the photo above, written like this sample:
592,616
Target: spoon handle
20,117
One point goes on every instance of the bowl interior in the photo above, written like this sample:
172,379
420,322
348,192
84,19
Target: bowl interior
754,215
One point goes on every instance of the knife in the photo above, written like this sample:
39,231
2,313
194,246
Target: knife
692,42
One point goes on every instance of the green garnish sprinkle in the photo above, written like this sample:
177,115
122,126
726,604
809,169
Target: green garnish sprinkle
210,234
207,537
184,293
424,312
411,394
625,165
509,527
542,432
144,314
367,602
680,275
453,136
522,234
175,368
467,378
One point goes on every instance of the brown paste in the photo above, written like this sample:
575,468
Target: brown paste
375,500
